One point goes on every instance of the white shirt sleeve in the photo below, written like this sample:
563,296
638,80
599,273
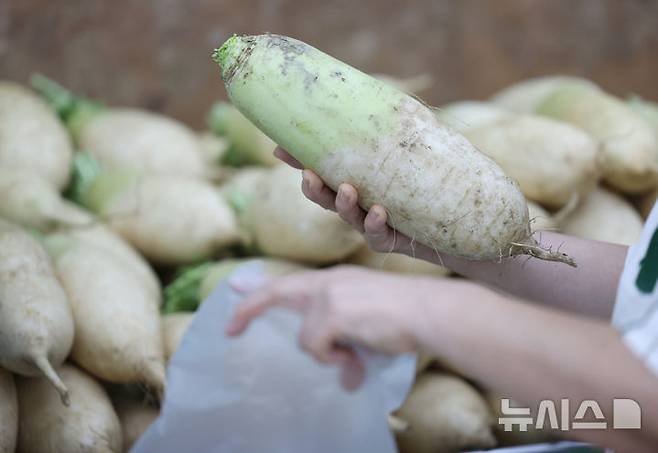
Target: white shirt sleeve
636,309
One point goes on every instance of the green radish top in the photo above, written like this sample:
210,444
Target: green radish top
344,89
184,293
74,110
91,186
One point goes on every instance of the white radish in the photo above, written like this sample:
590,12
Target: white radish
36,325
526,95
605,216
540,218
135,416
174,326
8,412
628,143
347,126
169,220
284,223
32,139
89,229
117,324
549,159
89,425
212,147
247,144
145,141
466,115
126,138
27,200
445,414
30,201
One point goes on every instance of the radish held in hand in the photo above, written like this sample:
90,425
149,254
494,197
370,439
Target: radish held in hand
126,137
88,425
36,324
350,127
8,412
32,139
117,324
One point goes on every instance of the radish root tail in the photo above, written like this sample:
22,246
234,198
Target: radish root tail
537,251
46,368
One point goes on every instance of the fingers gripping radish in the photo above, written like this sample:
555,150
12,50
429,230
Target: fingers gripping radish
350,127
36,324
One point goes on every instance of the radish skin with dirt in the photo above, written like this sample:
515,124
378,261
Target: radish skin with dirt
170,220
350,127
32,139
126,137
550,160
36,326
117,324
89,425
8,412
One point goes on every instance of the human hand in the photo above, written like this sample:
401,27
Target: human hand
372,224
343,307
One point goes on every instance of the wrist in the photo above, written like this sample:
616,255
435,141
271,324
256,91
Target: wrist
447,306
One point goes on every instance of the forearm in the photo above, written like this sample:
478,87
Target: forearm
589,289
546,355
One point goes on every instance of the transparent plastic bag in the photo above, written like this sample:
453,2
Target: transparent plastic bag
260,393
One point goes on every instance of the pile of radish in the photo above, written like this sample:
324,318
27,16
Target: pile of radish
116,223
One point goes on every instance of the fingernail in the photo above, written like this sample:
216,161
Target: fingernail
341,193
374,214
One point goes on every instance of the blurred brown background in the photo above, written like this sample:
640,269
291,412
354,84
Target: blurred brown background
155,53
